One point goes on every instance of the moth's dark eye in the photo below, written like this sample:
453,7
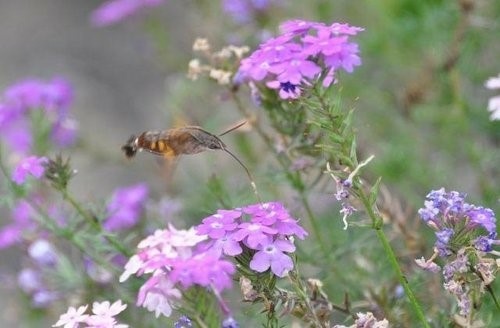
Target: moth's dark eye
214,145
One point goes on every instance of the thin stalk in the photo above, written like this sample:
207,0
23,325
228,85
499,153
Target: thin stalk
93,222
377,226
295,179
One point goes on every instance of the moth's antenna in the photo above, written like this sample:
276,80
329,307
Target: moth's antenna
233,128
252,182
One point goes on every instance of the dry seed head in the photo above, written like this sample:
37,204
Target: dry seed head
238,51
222,77
194,69
201,45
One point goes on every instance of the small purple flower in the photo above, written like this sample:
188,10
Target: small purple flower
44,298
115,11
31,165
43,252
125,207
254,234
484,217
484,244
183,322
64,132
30,280
225,245
230,322
216,226
272,255
10,234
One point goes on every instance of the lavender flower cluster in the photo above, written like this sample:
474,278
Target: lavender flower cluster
305,52
33,97
465,235
457,223
185,258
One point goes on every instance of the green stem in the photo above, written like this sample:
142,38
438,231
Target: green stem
95,224
377,226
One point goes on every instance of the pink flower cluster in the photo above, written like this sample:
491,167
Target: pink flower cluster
304,53
103,316
175,259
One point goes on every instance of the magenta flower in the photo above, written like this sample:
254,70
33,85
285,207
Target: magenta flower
254,234
272,256
297,58
115,11
125,207
259,225
32,165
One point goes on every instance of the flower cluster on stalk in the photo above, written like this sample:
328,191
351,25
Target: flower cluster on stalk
265,230
304,53
179,259
465,237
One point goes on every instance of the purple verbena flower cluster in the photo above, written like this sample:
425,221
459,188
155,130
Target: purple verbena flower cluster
305,52
265,229
115,11
28,97
457,223
465,235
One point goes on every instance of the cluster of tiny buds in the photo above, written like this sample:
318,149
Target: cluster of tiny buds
221,64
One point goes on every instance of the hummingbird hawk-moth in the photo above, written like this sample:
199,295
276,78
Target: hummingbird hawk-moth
187,140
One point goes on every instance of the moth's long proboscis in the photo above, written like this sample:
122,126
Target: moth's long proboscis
252,181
